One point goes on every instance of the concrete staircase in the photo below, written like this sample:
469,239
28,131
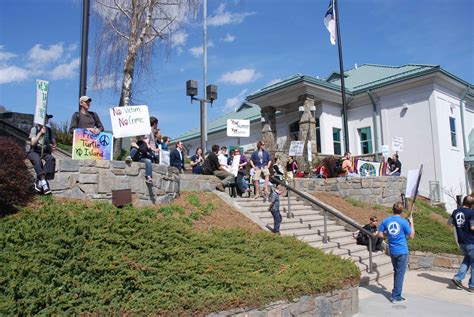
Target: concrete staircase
306,223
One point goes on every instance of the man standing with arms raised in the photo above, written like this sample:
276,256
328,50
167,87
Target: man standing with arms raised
397,229
463,220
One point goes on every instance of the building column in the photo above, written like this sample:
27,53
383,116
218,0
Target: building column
307,131
269,129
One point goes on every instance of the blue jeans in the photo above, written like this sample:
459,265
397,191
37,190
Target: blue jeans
399,263
468,251
148,167
276,220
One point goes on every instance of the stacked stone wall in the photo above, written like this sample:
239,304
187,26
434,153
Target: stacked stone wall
383,190
95,180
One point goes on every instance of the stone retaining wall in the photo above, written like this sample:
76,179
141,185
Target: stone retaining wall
90,179
383,190
343,302
195,182
434,262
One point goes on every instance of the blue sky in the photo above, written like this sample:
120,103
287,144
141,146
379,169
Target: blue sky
251,44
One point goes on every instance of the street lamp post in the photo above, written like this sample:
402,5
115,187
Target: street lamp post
211,95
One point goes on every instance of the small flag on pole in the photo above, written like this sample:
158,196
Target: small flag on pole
330,22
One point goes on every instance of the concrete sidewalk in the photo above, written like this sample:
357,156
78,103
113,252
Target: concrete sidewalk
428,293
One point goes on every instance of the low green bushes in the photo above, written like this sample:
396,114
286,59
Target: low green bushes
70,258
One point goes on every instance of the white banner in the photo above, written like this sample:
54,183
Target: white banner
130,121
385,150
165,157
366,168
296,148
310,155
397,144
238,128
412,179
42,87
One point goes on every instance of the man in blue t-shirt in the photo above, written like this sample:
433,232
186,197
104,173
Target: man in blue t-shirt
463,220
397,229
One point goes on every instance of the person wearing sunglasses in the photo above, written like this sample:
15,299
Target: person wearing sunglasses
363,239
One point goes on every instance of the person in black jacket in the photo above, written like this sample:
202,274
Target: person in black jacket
363,239
177,157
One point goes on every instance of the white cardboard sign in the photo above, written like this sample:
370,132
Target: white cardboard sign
397,144
296,148
238,128
130,121
42,87
165,157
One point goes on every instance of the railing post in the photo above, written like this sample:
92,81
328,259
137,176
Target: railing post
325,237
288,214
370,255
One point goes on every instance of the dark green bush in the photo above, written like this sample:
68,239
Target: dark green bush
15,179
71,258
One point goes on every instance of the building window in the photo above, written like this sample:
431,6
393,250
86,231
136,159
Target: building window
365,137
452,127
318,136
336,139
294,131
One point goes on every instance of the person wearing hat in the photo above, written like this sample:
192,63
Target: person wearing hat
274,208
85,119
43,143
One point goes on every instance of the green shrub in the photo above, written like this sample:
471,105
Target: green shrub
72,258
15,179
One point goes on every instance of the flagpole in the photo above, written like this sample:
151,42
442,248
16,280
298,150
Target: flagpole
343,87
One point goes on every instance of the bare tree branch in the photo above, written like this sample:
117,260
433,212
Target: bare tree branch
117,31
124,11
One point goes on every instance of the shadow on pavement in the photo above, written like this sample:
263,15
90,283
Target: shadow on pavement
378,289
438,279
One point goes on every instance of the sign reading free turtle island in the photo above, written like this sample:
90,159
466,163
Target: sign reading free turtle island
89,146
238,128
41,101
130,121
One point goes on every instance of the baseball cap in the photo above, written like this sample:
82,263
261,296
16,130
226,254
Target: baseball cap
85,98
49,116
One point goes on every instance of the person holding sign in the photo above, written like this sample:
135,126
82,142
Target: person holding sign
260,161
397,229
43,143
395,167
85,119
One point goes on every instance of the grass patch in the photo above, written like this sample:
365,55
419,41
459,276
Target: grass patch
66,257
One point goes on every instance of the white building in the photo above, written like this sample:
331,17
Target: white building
429,109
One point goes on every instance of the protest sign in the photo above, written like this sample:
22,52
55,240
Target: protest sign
310,155
165,157
397,144
238,128
89,146
367,168
42,87
130,121
296,148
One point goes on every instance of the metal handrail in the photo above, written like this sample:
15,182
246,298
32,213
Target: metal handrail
333,212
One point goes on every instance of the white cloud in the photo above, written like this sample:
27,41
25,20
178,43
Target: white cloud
72,47
228,38
4,55
179,38
11,74
231,104
66,70
199,50
39,55
222,17
242,76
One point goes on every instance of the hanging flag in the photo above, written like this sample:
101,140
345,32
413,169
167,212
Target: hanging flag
330,22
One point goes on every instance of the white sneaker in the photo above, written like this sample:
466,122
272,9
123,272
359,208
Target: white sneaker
45,187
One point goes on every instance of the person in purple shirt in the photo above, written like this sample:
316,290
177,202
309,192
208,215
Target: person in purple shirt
463,220
397,229
261,162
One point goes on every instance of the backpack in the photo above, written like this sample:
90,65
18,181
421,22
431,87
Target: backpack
93,114
338,167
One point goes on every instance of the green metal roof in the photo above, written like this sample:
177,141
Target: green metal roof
247,111
360,79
